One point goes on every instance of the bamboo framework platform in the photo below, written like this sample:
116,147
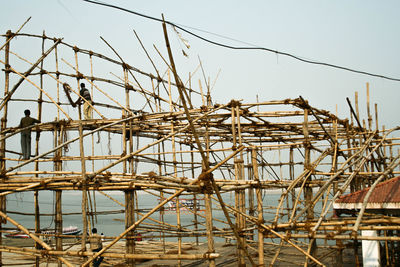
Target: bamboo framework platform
167,138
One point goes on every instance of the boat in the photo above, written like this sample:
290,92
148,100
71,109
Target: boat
16,235
70,230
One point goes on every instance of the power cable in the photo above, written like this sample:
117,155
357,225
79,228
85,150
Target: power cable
244,48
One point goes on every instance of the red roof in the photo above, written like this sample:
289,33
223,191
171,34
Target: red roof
385,192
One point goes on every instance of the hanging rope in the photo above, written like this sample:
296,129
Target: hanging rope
109,144
65,139
98,138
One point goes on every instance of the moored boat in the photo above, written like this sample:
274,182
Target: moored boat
70,230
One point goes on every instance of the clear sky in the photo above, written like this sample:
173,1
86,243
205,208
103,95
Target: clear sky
362,35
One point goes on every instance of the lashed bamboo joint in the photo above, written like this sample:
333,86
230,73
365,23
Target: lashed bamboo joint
262,176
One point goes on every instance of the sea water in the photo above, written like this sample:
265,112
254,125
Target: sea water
113,224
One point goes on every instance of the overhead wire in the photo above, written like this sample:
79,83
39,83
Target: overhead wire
277,52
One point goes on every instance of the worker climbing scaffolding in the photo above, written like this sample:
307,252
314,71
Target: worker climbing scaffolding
84,96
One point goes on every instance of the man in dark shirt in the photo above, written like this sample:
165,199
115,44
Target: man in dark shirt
26,134
87,108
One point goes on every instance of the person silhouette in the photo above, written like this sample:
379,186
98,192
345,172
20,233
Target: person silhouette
96,245
87,108
26,134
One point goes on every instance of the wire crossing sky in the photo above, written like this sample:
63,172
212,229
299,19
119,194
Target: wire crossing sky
183,28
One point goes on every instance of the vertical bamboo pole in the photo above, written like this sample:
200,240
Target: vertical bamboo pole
58,140
369,123
291,176
308,189
90,209
349,143
37,222
91,93
339,243
83,169
250,191
58,78
129,124
376,117
208,204
241,193
288,208
162,196
195,206
129,220
209,102
386,249
360,140
381,163
40,105
177,206
58,205
209,227
369,110
58,223
5,109
36,193
236,165
162,209
202,94
385,154
3,127
124,128
356,103
259,208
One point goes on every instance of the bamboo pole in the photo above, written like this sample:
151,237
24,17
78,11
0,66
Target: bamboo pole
78,93
124,64
129,220
36,193
388,170
209,228
58,222
265,132
208,207
124,129
37,221
23,77
83,171
162,203
180,88
114,255
5,111
259,209
177,205
4,126
343,188
65,143
276,234
241,202
34,237
10,36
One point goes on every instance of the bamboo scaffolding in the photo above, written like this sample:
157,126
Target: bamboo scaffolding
174,144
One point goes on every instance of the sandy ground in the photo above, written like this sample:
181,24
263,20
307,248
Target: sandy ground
287,257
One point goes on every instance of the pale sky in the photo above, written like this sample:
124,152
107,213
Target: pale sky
362,35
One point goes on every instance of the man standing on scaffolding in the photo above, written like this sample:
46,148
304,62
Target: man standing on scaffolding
26,134
87,105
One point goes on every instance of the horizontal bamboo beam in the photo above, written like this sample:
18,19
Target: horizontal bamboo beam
141,256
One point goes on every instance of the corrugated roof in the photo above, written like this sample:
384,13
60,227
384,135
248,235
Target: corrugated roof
385,192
